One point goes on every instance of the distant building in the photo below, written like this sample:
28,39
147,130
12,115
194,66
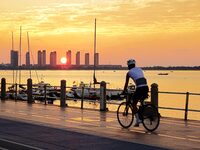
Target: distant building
96,57
53,59
14,58
44,58
87,59
28,63
39,58
78,58
69,57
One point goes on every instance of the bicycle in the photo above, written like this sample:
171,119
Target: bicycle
148,113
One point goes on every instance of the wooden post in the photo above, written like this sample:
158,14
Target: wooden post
16,91
29,91
63,94
82,96
154,94
103,96
186,106
45,94
3,89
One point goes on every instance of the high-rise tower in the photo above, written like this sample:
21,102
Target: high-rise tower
14,58
44,58
96,61
69,57
87,59
39,58
78,58
53,58
28,63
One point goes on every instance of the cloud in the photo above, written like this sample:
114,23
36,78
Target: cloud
115,17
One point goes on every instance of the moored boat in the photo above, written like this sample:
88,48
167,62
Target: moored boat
163,74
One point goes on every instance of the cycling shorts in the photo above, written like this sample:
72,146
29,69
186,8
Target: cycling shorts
140,93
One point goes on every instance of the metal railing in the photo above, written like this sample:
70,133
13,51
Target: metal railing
43,94
102,99
187,94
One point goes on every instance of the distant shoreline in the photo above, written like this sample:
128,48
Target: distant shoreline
101,67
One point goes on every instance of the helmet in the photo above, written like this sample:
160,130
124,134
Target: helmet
131,62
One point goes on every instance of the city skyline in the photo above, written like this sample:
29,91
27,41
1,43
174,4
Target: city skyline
42,58
154,32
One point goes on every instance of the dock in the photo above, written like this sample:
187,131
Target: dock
38,126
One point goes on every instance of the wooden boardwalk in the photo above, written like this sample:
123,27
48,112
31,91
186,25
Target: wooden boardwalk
171,134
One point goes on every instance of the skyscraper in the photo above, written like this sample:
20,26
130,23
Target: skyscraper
44,58
78,58
69,56
28,59
96,61
53,58
14,58
39,58
87,59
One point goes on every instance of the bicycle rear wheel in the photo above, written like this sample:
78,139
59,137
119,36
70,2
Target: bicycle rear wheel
150,117
125,115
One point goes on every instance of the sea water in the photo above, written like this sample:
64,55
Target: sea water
175,81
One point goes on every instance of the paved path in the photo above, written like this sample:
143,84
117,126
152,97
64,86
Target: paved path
50,127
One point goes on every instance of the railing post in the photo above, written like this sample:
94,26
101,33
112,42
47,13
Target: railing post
82,96
16,91
29,91
103,96
63,94
186,106
154,94
45,94
3,89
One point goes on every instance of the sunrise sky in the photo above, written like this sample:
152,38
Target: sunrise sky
154,32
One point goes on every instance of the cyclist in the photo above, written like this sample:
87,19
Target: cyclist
142,88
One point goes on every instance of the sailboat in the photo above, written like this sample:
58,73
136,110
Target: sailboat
93,92
94,74
17,90
39,88
88,92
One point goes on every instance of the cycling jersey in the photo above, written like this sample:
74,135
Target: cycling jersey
137,75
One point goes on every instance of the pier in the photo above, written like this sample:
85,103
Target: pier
36,126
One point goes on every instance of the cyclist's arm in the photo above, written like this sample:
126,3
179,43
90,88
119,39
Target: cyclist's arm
126,82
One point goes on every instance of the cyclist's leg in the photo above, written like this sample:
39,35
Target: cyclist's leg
134,102
138,94
135,99
134,105
138,120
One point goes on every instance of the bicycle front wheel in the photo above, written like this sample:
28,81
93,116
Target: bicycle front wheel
125,115
150,117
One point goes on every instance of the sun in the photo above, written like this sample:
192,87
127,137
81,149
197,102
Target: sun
63,60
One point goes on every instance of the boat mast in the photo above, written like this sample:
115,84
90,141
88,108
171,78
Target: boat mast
20,54
94,78
13,67
29,54
32,58
12,41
